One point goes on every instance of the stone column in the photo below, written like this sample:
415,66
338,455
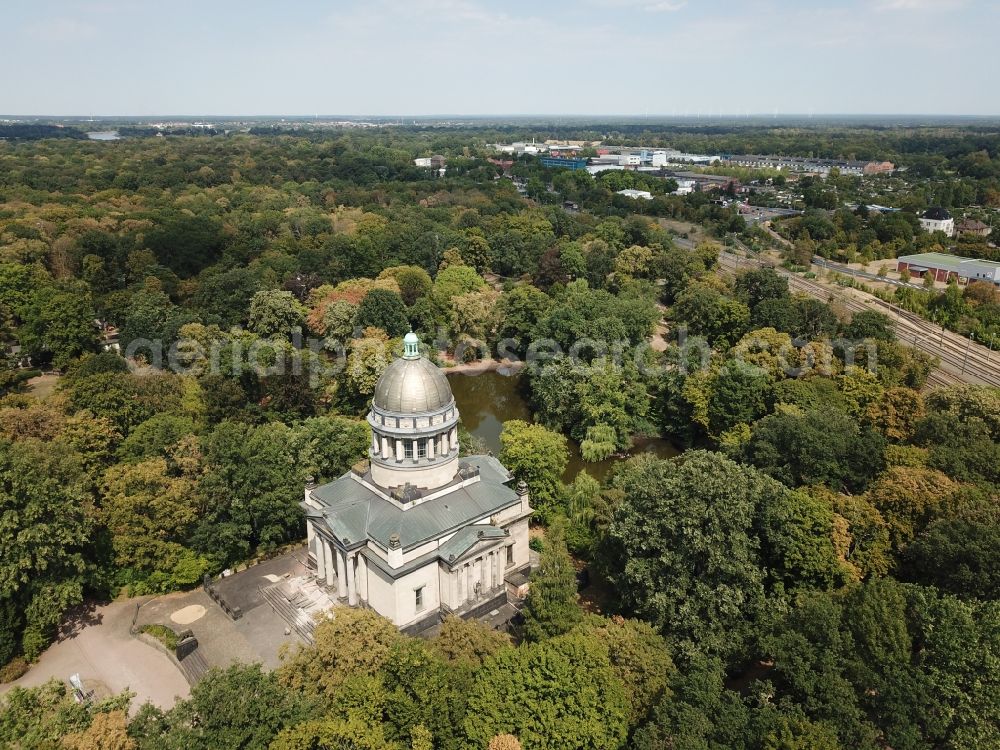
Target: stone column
484,578
386,451
399,449
328,559
454,438
456,589
341,574
430,447
352,584
316,545
470,592
362,577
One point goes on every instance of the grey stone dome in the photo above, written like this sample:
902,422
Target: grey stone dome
412,385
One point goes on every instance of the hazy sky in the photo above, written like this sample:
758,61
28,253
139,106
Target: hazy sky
72,57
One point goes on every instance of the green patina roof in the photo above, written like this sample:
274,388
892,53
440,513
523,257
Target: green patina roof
465,539
354,513
942,260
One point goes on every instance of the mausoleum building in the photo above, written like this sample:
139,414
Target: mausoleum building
417,531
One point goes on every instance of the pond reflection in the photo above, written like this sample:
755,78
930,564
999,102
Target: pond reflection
487,400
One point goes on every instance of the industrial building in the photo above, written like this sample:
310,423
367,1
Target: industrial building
636,194
684,187
705,182
950,267
805,164
557,162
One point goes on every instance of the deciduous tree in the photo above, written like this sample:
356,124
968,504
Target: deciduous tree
536,456
349,642
46,526
275,314
59,323
680,550
816,448
558,694
383,309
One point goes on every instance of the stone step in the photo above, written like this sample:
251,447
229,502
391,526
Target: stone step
299,621
194,667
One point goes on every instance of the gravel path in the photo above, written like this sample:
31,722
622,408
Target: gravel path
100,649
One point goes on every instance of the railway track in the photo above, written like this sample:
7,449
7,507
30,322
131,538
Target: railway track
959,359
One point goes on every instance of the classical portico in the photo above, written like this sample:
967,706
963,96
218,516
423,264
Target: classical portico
416,530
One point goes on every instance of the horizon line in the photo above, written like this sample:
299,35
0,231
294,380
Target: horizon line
639,116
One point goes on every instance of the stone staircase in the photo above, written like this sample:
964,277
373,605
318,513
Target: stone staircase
193,666
297,601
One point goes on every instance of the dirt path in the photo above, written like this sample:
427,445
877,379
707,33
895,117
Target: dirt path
775,235
100,649
658,341
503,366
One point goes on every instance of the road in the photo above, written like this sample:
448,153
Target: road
100,649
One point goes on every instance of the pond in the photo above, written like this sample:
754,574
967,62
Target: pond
486,400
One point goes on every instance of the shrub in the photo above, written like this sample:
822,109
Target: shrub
13,669
163,634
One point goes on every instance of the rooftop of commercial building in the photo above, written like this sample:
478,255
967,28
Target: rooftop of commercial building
943,260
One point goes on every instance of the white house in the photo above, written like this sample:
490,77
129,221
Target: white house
937,220
415,531
633,193
684,187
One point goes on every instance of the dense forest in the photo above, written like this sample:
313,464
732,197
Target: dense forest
817,569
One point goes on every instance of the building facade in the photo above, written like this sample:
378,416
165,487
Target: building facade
416,531
973,227
561,162
950,267
937,220
636,194
809,165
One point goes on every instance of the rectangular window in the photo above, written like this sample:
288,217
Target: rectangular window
418,598
510,555
422,448
407,449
